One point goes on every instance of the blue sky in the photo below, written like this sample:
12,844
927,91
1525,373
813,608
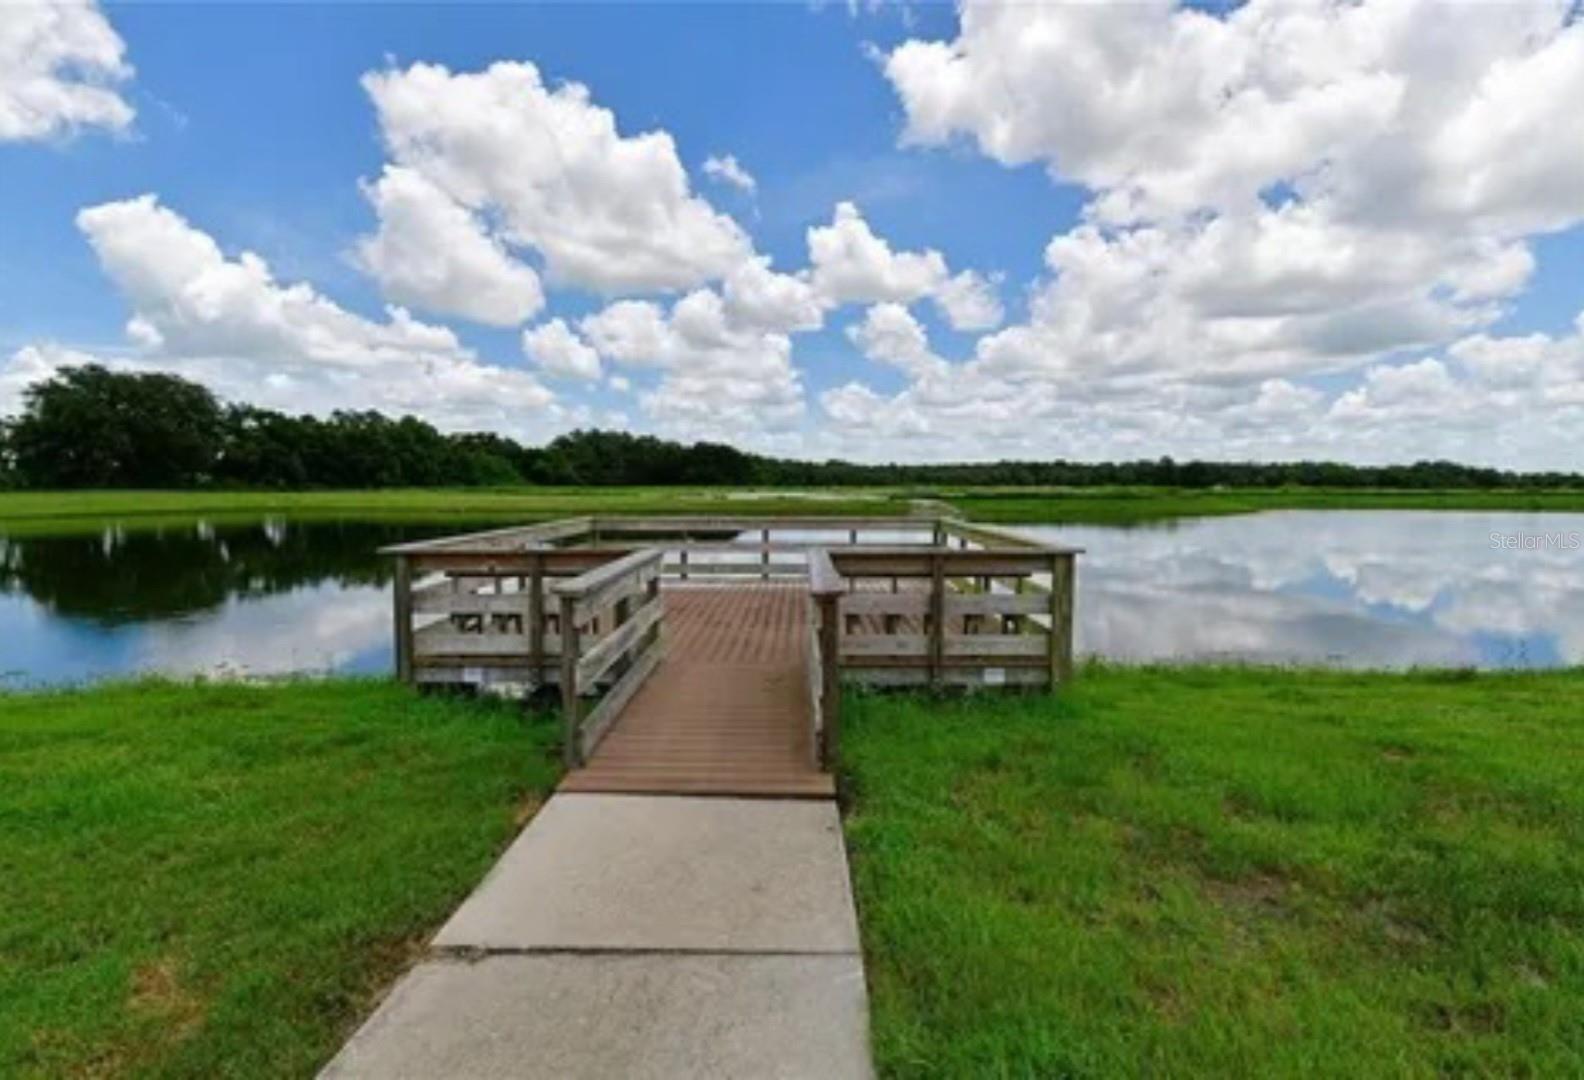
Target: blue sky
1197,243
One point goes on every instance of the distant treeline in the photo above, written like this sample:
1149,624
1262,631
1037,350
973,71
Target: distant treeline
89,427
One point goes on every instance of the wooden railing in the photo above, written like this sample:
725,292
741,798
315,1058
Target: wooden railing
893,601
826,589
610,620
900,617
481,616
703,548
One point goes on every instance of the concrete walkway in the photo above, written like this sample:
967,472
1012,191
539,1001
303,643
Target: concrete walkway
641,936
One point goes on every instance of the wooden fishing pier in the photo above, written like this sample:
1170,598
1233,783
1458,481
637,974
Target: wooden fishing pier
705,655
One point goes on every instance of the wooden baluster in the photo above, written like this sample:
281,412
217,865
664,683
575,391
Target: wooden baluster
1063,580
570,706
536,619
830,675
937,620
402,605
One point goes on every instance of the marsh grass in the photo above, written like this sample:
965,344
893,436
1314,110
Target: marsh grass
58,512
61,512
1144,505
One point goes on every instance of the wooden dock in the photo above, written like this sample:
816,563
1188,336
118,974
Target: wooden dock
706,656
726,712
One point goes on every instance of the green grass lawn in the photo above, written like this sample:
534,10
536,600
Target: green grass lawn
1218,872
215,880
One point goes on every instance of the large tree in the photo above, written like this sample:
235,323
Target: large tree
91,427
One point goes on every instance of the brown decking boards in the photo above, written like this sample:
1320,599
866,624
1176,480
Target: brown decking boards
727,711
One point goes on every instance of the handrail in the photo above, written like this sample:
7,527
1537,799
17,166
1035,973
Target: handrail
981,533
823,578
592,582
630,647
591,527
747,522
489,539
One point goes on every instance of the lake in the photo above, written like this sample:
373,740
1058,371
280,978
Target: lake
1354,588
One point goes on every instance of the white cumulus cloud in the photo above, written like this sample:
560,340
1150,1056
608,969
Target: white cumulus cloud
726,169
551,172
719,380
851,264
889,334
1276,193
558,350
968,300
61,64
432,253
227,323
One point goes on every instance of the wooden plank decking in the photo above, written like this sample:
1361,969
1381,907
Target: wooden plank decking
727,711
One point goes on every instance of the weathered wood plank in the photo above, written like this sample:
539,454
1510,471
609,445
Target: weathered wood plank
920,676
823,578
402,612
443,601
816,680
996,604
936,623
558,563
897,562
995,645
952,646
598,657
700,523
911,604
494,540
571,707
441,640
747,568
829,607
866,645
634,583
1063,581
608,575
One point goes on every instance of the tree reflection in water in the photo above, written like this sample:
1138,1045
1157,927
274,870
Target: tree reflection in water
119,575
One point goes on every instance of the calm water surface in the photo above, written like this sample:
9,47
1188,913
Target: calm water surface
261,598
1368,588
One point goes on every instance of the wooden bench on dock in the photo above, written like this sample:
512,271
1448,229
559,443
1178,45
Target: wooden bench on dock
700,655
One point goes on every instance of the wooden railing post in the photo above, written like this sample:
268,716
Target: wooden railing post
618,620
1063,579
536,619
764,555
826,587
937,609
652,595
402,606
830,679
570,706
